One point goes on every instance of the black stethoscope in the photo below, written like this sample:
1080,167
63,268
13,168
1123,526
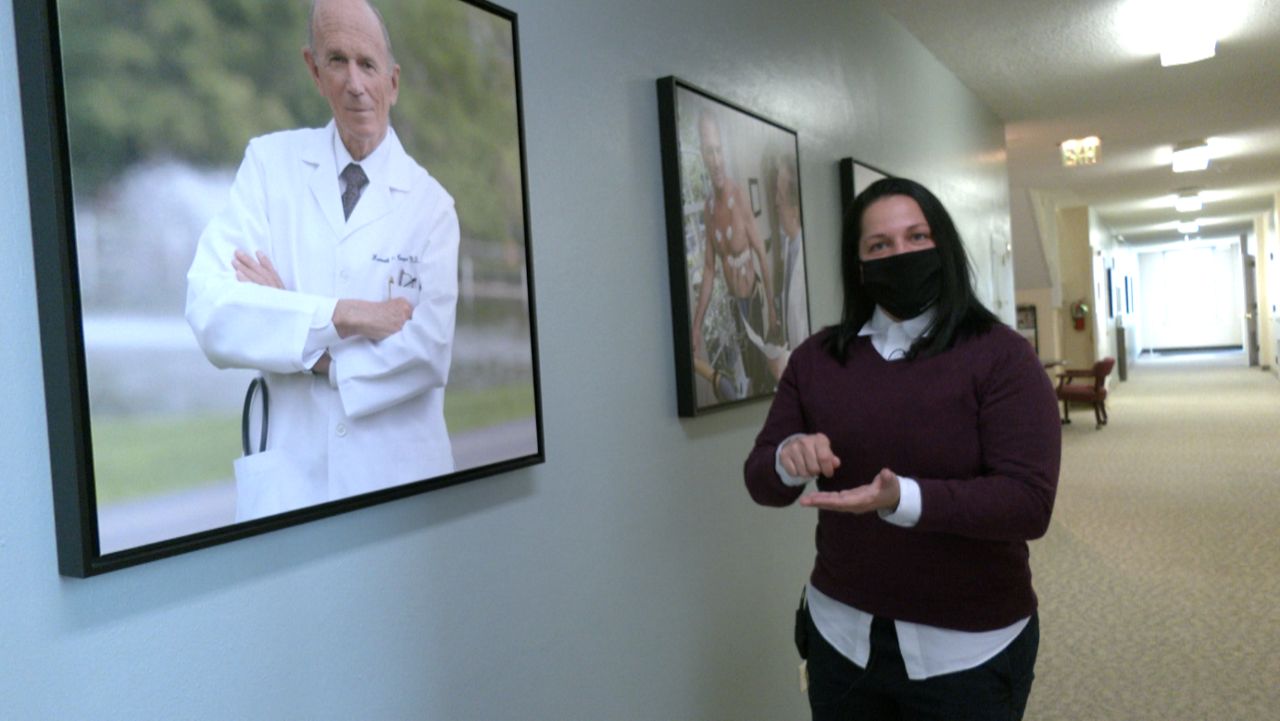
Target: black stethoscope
254,385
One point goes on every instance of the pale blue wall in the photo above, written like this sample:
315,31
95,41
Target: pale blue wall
627,578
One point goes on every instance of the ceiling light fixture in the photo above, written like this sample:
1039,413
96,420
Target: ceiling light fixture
1188,201
1189,228
1080,151
1190,156
1186,47
1179,31
1189,33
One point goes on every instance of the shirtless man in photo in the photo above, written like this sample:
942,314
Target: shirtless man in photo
732,237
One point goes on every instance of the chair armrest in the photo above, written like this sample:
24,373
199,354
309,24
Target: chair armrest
1077,373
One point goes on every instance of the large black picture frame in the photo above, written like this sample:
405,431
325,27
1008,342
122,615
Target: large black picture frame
742,354
502,388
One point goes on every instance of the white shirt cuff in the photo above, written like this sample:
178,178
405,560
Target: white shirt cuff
321,335
909,504
787,478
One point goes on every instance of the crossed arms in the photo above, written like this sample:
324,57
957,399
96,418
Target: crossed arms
373,320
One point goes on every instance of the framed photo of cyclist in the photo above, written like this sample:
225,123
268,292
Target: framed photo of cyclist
740,301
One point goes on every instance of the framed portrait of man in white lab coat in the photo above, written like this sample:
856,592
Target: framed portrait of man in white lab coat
283,261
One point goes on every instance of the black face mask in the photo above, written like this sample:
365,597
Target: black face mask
904,284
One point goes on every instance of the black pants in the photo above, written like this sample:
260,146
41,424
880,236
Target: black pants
840,690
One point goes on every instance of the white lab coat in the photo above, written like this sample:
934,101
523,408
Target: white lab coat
383,424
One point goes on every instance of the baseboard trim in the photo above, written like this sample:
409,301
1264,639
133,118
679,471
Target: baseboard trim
1193,349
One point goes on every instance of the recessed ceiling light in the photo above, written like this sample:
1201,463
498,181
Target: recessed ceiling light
1080,151
1179,31
1188,201
1188,228
1189,48
1190,156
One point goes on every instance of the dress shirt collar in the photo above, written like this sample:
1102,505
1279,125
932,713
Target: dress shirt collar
374,164
891,338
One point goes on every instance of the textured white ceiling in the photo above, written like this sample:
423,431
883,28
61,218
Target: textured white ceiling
1055,69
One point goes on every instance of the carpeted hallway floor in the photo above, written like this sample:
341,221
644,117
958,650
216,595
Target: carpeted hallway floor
1159,579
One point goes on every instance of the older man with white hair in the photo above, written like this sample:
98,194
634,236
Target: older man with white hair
333,272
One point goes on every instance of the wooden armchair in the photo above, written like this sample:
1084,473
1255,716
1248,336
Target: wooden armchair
1090,387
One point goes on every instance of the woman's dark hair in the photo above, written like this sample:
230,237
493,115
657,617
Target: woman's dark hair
959,312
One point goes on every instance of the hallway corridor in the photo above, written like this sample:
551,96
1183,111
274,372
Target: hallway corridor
1159,579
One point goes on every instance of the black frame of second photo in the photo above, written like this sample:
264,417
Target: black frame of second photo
855,176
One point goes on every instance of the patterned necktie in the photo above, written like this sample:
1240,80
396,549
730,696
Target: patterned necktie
353,175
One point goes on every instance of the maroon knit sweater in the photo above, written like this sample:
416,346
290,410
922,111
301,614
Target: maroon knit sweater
976,426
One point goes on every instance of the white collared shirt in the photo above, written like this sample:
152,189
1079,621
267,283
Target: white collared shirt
927,651
374,164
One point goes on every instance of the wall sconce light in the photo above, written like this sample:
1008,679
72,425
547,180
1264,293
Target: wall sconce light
1188,228
1080,151
1190,156
1188,201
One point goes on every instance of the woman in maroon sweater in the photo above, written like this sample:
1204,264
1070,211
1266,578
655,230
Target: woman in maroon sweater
931,431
